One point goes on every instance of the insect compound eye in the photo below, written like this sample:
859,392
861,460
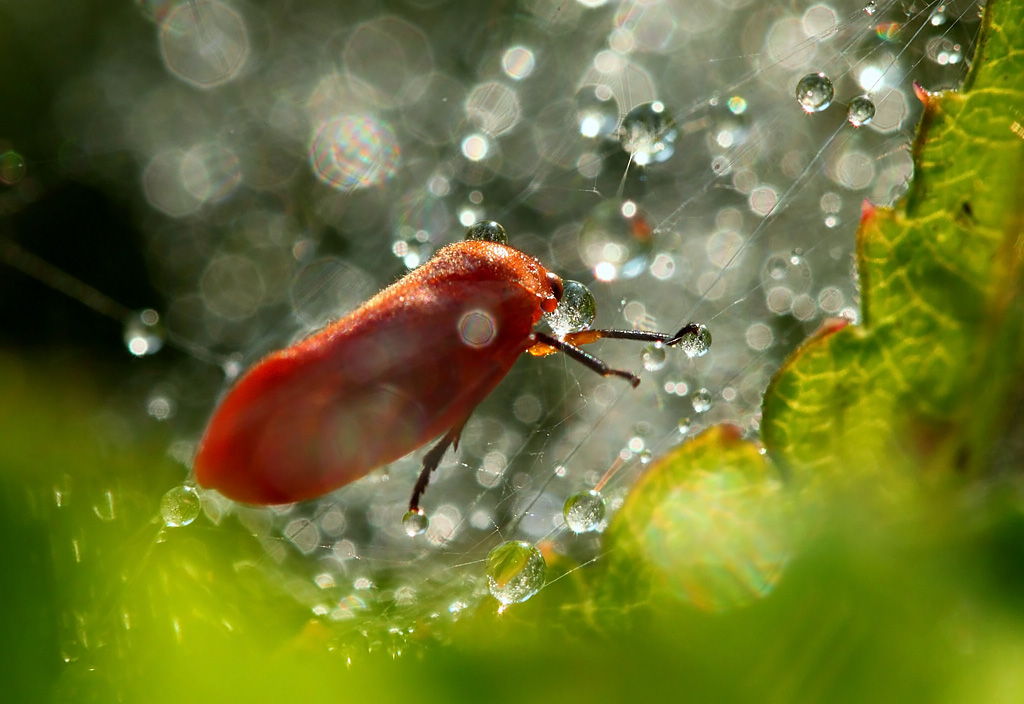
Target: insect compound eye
487,231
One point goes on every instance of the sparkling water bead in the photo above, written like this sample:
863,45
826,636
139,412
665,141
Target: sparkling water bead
515,572
584,511
180,506
575,312
701,400
654,357
683,426
814,92
487,231
696,341
648,133
860,111
415,523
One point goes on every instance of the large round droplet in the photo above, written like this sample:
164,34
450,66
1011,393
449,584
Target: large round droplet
143,333
701,400
648,133
180,506
415,523
860,111
695,340
584,511
616,240
654,357
515,572
575,312
814,92
487,231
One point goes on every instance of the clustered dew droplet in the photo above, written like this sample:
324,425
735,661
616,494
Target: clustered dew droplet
487,231
515,572
415,523
180,506
701,400
814,92
584,511
648,133
860,111
575,312
696,341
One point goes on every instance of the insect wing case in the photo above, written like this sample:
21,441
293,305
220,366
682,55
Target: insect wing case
408,365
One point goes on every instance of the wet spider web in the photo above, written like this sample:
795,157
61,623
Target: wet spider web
683,162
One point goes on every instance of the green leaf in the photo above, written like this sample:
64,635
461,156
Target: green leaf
929,381
709,525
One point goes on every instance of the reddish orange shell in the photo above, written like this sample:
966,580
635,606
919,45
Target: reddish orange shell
408,365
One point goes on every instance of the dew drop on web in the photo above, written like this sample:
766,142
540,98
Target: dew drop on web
814,92
696,341
575,312
180,506
683,426
584,511
701,400
648,133
515,572
860,111
415,523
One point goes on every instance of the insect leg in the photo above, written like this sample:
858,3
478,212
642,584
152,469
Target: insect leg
430,462
585,337
584,358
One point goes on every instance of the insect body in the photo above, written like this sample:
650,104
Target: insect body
407,366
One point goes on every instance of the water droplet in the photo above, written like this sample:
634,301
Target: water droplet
871,7
796,256
648,133
12,167
860,111
701,400
515,572
584,511
487,231
616,240
814,92
654,357
575,312
180,506
695,341
143,333
683,426
415,523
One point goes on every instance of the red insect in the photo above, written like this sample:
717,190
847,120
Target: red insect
408,365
